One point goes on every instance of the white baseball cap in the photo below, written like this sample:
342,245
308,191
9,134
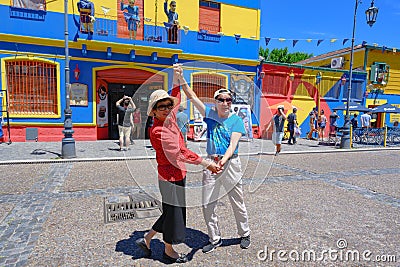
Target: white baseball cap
222,91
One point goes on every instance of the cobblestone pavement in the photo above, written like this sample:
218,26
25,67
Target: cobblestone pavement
52,213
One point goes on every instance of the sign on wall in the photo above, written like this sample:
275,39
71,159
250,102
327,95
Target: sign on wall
244,112
102,107
79,94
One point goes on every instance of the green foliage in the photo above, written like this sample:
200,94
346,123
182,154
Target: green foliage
282,55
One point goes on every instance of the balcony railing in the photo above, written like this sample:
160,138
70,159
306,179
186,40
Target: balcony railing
110,27
210,28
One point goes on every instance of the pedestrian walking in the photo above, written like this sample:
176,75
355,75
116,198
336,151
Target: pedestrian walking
137,121
333,119
125,120
278,122
354,121
313,116
292,123
321,125
366,120
171,156
224,129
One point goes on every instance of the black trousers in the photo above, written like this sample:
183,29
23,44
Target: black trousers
173,34
291,133
172,222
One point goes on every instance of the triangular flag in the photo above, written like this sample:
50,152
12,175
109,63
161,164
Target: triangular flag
333,40
319,42
267,41
345,40
309,40
282,39
383,49
295,42
364,43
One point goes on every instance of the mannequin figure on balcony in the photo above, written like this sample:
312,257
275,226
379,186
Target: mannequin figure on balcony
131,17
86,17
173,22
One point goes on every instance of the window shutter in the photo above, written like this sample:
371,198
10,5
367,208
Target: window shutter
204,85
209,19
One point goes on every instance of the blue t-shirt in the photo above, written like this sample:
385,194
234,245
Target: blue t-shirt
182,120
219,131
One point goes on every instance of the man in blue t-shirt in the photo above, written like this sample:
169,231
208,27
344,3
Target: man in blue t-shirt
224,129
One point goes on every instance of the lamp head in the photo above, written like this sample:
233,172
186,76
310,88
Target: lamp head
371,14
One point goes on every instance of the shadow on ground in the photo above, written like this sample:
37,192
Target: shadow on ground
43,151
195,239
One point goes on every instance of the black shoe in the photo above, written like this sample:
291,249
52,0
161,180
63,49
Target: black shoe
210,247
142,245
181,259
245,242
289,143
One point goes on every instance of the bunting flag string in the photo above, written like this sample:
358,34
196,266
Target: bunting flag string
319,41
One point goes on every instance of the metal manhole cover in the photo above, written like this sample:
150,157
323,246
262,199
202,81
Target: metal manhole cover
138,206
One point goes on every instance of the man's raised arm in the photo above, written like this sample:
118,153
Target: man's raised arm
179,79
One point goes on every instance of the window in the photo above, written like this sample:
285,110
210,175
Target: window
356,90
204,85
209,17
275,84
32,87
379,73
30,4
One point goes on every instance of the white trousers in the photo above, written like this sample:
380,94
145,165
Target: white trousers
231,180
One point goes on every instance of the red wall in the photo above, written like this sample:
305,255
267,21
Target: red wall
51,134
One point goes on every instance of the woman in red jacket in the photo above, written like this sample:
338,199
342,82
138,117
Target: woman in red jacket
171,156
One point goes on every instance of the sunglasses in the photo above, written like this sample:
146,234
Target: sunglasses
173,5
222,100
165,107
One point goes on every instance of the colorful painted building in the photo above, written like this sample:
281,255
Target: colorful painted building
118,50
305,87
382,66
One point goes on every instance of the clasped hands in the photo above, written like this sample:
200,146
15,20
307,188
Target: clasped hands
216,167
178,74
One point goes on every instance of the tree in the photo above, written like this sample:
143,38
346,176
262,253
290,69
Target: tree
282,55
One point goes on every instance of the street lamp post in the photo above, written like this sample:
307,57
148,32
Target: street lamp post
371,15
68,142
318,79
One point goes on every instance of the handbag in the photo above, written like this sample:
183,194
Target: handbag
297,131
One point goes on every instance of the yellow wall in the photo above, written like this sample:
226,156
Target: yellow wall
393,60
239,20
232,17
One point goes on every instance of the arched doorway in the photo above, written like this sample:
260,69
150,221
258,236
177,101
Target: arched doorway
112,84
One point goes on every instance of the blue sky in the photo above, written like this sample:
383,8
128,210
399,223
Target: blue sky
327,19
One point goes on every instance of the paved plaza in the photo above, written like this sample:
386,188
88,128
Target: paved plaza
342,205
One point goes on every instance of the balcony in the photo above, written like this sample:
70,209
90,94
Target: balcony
112,28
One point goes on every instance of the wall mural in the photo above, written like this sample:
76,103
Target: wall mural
243,88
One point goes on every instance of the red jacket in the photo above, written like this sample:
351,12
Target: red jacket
171,153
